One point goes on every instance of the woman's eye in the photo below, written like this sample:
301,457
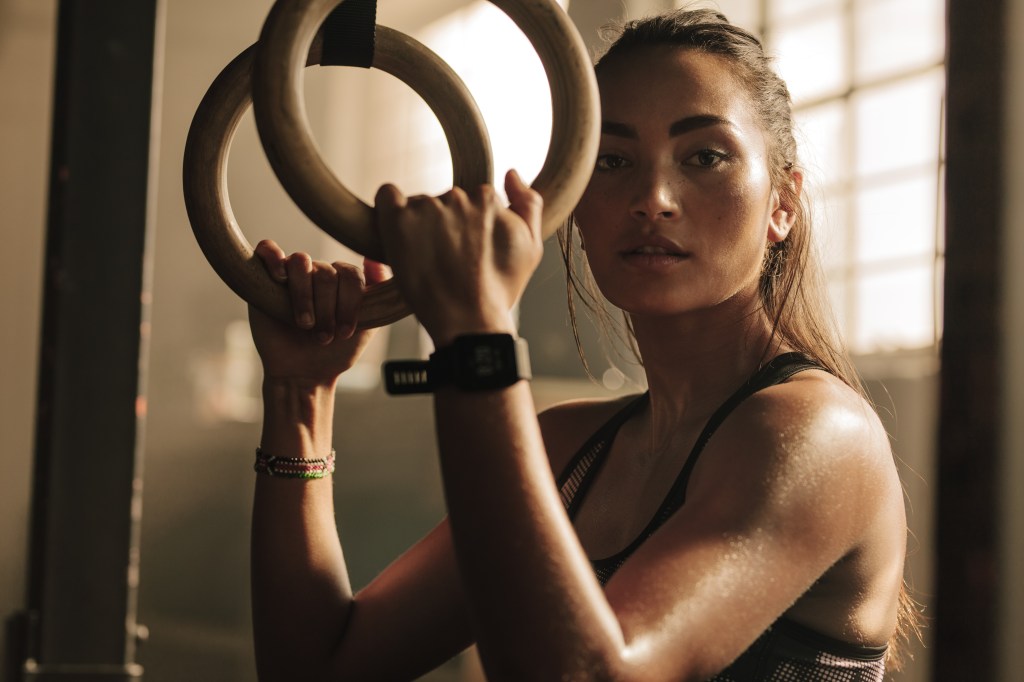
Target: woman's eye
707,158
610,162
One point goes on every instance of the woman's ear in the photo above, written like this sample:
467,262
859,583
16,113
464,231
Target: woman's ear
784,213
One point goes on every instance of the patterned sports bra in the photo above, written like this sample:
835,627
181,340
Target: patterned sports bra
787,651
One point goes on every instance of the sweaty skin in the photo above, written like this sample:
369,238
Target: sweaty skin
795,507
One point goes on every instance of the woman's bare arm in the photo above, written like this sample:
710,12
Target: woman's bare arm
307,623
715,576
509,568
764,522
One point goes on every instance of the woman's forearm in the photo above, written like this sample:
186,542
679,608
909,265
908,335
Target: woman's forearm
528,579
301,596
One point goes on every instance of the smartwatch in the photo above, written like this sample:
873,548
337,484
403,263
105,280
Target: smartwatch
473,362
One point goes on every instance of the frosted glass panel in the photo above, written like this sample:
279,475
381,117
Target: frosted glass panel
897,126
811,57
822,140
894,310
897,219
898,35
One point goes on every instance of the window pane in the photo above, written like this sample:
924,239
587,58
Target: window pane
898,35
812,57
897,219
897,126
822,140
894,310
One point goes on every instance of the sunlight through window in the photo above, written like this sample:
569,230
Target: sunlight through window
505,75
867,81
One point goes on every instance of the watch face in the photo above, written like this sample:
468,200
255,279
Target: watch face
485,361
480,361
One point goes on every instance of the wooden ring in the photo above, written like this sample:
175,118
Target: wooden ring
206,157
284,128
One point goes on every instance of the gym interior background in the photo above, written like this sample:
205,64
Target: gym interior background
871,113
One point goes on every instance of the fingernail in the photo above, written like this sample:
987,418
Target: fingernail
282,275
324,338
306,320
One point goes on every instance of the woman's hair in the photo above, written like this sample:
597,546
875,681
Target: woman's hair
792,289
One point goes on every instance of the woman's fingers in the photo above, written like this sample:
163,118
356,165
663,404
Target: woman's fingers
524,201
375,272
299,269
462,256
325,295
273,258
389,200
350,288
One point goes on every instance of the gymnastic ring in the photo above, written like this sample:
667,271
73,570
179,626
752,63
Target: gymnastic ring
209,141
284,129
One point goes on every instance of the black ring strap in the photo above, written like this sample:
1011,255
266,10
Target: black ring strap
349,33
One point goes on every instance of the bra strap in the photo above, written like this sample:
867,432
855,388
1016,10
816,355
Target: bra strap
577,477
777,371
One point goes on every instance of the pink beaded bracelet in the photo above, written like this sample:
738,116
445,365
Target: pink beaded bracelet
293,467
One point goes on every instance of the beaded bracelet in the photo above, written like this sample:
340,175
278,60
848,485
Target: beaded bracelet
293,467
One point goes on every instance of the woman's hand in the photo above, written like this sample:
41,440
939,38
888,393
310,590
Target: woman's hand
323,341
462,260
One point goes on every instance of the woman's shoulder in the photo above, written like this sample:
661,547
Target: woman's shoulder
813,427
804,460
815,401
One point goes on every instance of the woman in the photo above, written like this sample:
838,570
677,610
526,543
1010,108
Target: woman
742,519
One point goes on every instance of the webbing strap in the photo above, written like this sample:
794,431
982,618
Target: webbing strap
349,34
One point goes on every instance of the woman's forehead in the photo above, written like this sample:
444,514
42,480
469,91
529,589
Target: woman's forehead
670,77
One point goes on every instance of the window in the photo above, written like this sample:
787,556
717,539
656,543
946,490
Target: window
867,82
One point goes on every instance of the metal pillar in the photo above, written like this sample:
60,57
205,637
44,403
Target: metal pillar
83,572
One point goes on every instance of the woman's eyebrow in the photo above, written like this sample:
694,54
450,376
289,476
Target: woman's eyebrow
618,129
680,127
685,125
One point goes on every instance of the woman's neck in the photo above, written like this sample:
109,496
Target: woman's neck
694,362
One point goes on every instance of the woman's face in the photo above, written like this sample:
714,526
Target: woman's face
680,208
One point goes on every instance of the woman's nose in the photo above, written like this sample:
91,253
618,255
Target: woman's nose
656,197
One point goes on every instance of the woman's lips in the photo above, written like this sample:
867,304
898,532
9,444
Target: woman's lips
655,256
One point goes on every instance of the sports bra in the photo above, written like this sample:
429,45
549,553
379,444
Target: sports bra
786,651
